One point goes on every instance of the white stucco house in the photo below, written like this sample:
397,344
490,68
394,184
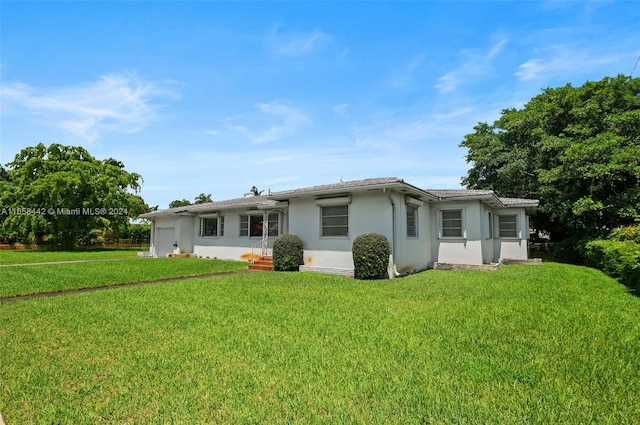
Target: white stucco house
424,227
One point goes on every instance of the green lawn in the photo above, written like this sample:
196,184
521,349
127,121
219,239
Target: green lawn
547,344
32,279
43,256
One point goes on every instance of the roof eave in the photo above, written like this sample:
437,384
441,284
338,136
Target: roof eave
400,186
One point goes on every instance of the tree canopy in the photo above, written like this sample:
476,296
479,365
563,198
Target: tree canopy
576,149
254,191
62,193
203,198
179,203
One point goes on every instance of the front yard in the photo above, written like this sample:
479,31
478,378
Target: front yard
547,344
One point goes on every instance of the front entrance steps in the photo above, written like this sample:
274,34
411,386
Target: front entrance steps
262,264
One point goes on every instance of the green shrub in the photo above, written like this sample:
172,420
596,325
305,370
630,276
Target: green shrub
618,259
570,250
371,256
626,233
288,253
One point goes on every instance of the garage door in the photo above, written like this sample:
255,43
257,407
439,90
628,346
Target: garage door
165,237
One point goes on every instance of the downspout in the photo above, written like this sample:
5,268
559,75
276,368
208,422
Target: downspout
392,273
152,239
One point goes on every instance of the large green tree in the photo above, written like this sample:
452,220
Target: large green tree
63,193
577,149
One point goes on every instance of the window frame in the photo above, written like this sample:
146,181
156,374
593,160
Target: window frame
214,227
273,231
248,230
514,233
325,226
415,233
441,221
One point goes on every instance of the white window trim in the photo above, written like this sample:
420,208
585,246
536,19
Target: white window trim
206,217
416,218
463,224
518,234
335,205
413,202
249,214
491,228
278,223
334,202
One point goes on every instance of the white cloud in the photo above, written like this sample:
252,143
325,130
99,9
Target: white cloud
120,103
272,121
562,59
405,78
298,44
342,110
476,62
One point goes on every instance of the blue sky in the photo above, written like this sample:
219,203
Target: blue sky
216,97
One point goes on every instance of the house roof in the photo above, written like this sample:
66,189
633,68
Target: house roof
247,202
348,186
396,183
519,202
459,193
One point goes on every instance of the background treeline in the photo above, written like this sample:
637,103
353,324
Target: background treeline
577,150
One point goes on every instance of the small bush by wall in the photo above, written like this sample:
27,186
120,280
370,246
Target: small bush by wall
288,253
617,258
370,256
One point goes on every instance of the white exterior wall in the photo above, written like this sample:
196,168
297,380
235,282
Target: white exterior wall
467,249
186,229
163,235
230,246
368,212
488,234
168,230
512,248
412,253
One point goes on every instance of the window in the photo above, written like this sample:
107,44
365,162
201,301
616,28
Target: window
274,224
221,221
251,225
244,225
208,227
412,221
508,225
490,229
335,220
451,222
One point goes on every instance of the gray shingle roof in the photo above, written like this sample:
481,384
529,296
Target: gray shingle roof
459,193
519,202
337,187
487,196
247,201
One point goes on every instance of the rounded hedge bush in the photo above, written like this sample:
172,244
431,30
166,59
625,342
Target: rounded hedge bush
287,253
371,256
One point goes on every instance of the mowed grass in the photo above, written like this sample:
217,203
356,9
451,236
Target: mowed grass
547,344
33,279
44,256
